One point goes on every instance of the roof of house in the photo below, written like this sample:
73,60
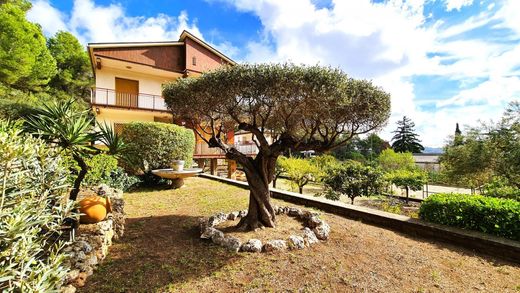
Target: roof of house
185,34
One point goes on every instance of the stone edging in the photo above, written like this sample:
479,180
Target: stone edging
477,241
91,244
315,229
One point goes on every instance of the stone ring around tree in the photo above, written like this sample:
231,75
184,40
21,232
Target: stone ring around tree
315,229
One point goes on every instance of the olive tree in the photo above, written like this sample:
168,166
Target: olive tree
300,107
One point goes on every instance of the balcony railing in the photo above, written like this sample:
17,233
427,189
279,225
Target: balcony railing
203,150
109,97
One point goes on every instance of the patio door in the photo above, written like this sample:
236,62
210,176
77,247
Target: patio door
127,92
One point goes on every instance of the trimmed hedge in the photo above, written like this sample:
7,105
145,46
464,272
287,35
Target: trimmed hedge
496,216
154,145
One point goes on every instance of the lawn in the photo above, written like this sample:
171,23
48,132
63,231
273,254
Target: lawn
161,252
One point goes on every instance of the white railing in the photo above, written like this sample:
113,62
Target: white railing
109,97
202,149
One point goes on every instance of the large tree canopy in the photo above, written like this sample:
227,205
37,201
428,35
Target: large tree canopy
299,107
74,73
25,61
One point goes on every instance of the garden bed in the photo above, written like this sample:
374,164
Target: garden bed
161,251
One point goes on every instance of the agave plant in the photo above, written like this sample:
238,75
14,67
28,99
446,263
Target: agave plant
113,141
59,124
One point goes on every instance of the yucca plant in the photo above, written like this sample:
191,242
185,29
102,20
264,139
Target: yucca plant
113,141
59,124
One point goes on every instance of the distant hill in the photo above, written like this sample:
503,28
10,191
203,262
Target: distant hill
430,150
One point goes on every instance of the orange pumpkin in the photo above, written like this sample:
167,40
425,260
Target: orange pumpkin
94,209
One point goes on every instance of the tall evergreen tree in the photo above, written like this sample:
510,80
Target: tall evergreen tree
458,139
405,139
25,61
74,74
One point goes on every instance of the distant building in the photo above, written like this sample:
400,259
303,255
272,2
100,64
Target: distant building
428,162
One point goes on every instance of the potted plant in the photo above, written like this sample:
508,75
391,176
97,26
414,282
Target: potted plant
94,208
177,165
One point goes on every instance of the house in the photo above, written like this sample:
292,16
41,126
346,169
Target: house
129,78
427,161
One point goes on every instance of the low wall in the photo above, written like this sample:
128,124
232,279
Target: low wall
480,242
92,241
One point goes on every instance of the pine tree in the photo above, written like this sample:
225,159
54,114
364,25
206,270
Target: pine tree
405,139
458,139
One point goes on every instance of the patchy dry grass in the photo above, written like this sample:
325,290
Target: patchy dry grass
161,252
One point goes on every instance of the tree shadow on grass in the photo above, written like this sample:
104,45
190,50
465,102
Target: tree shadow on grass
155,253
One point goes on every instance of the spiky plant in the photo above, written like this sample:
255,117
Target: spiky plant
113,141
61,125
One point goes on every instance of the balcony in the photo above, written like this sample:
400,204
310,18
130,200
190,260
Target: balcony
202,150
111,98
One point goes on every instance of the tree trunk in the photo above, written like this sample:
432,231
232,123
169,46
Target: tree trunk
300,189
274,181
260,212
77,183
406,194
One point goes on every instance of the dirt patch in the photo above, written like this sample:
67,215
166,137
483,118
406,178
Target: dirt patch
285,227
161,252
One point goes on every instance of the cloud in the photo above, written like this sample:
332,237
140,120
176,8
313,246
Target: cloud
393,41
390,42
91,22
97,23
47,16
457,4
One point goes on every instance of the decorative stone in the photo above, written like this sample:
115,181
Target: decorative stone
306,215
275,245
80,280
203,224
316,229
296,242
217,219
71,275
217,237
208,233
231,243
252,245
314,222
232,216
309,237
294,212
322,231
80,255
83,246
91,260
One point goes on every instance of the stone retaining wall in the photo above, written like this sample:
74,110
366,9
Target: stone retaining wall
92,241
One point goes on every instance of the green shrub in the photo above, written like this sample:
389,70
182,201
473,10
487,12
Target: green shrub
153,145
103,169
409,179
475,212
100,168
300,171
33,207
121,180
500,187
353,179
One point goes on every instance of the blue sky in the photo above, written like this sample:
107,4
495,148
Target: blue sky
443,61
